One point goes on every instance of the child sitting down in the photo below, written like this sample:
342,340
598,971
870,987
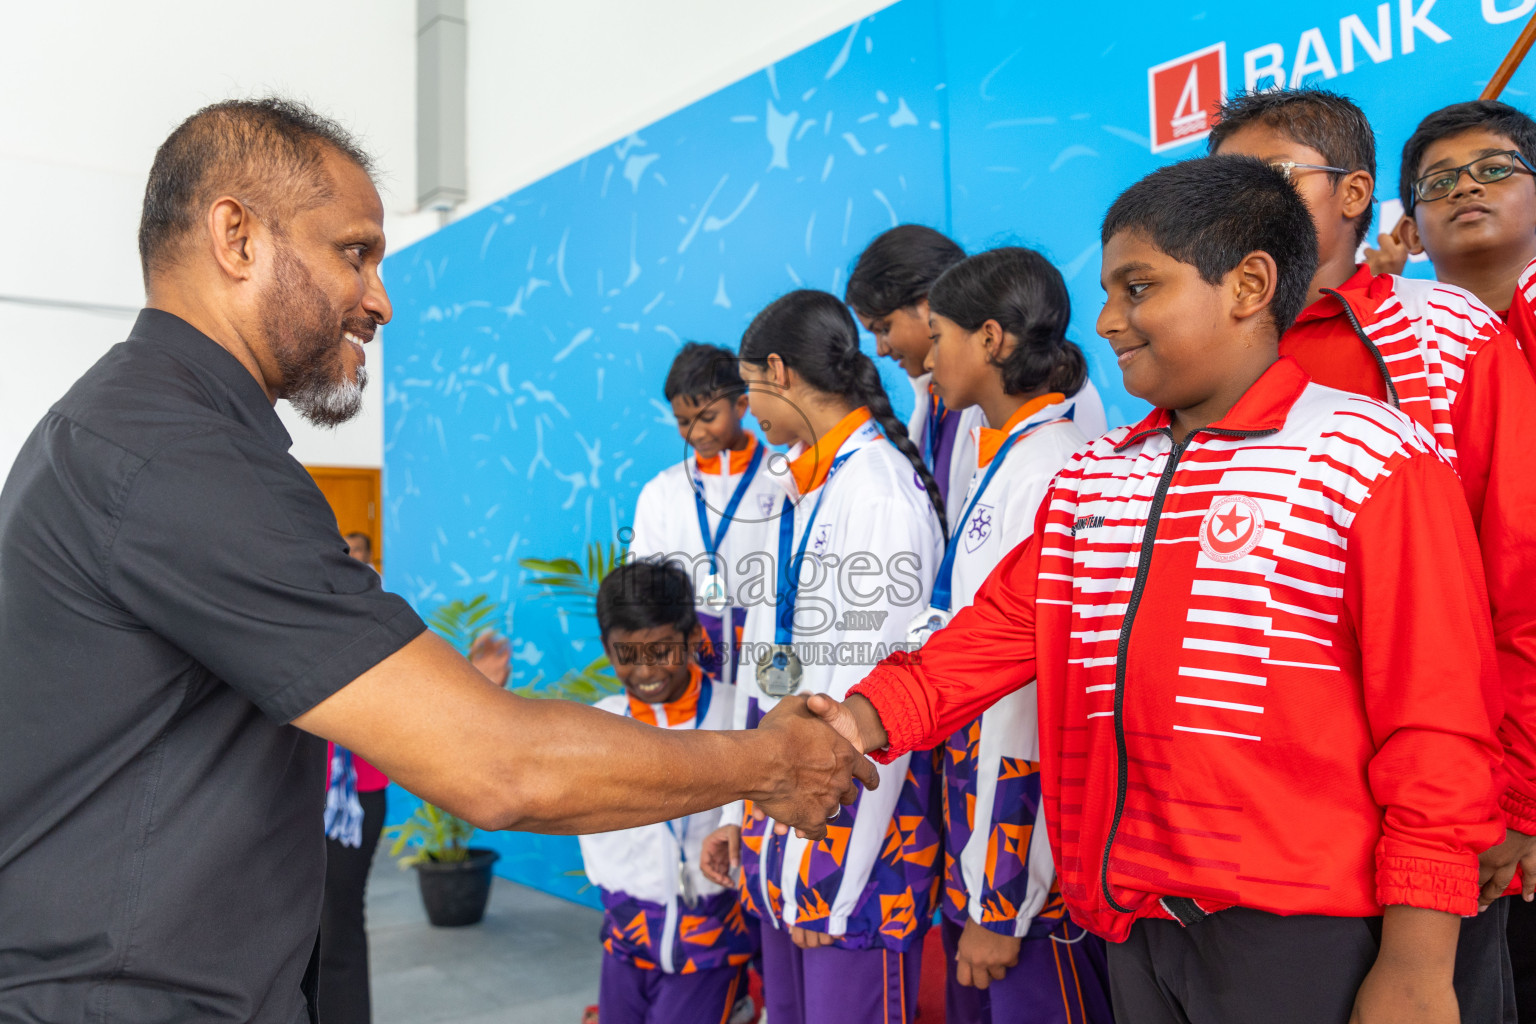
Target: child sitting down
675,944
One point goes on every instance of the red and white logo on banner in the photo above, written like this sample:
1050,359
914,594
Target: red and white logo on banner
1184,95
1232,528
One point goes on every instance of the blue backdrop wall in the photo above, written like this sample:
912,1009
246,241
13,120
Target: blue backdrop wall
525,361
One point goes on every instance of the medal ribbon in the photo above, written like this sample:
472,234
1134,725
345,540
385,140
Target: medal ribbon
712,541
943,584
679,827
789,568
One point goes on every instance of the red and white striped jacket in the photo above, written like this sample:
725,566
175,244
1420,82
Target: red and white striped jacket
1246,692
1521,316
1444,358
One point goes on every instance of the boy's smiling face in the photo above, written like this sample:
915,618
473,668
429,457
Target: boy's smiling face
710,426
1476,218
655,664
1183,343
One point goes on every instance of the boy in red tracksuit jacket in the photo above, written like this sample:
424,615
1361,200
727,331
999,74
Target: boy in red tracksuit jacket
1442,357
1237,612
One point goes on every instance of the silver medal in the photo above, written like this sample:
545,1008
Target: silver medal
685,887
929,622
714,593
779,671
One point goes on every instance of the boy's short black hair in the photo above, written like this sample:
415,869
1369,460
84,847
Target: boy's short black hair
1489,115
898,268
643,595
702,372
1329,123
1214,211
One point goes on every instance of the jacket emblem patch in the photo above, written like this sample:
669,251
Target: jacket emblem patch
1232,528
979,528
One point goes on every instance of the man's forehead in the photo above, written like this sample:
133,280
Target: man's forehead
354,197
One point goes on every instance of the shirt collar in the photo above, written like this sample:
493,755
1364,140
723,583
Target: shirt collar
1262,409
989,440
1354,289
238,394
728,463
684,709
811,466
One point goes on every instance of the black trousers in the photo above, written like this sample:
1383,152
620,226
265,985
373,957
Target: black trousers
1259,968
1522,954
344,997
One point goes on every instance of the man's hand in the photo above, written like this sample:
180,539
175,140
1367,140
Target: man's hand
984,956
491,653
810,769
1411,980
720,857
1497,866
1392,257
855,719
807,939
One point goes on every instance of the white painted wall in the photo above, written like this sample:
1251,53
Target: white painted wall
89,88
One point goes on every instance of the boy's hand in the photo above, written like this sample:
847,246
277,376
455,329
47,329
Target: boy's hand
1392,257
855,719
984,956
807,939
1411,980
491,653
1497,866
720,856
808,769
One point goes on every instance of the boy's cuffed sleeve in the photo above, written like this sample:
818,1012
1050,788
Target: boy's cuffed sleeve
986,651
1413,581
1494,440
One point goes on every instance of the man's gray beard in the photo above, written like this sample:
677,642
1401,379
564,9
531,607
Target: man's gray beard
330,404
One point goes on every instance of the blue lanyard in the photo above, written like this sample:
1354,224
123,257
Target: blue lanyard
706,694
935,433
789,569
944,584
712,543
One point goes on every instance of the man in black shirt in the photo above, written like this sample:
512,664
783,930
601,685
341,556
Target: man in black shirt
181,627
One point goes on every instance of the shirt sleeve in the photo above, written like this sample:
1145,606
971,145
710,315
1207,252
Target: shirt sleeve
229,552
1494,441
1522,314
649,514
1411,581
986,651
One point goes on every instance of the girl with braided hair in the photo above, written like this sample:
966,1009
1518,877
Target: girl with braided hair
849,562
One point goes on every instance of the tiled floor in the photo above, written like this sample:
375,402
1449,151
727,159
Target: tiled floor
533,960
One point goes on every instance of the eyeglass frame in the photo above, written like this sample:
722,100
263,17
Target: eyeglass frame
1285,167
1515,157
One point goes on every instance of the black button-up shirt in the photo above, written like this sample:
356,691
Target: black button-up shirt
173,590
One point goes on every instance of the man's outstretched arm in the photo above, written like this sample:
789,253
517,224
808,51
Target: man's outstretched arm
434,724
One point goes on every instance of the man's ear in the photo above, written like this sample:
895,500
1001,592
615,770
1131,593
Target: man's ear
1252,284
231,232
1408,232
1358,189
743,404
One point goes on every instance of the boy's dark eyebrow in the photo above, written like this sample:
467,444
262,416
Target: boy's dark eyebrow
1125,270
1446,161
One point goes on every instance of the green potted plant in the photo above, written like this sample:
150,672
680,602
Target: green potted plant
455,878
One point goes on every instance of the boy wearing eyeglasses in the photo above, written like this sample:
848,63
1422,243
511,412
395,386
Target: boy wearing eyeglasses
1443,357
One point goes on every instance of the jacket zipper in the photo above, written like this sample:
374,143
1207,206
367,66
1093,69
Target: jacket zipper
1370,346
1143,567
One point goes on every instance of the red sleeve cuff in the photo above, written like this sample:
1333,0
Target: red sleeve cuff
907,721
1519,811
1449,886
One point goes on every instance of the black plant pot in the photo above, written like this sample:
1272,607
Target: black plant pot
455,892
